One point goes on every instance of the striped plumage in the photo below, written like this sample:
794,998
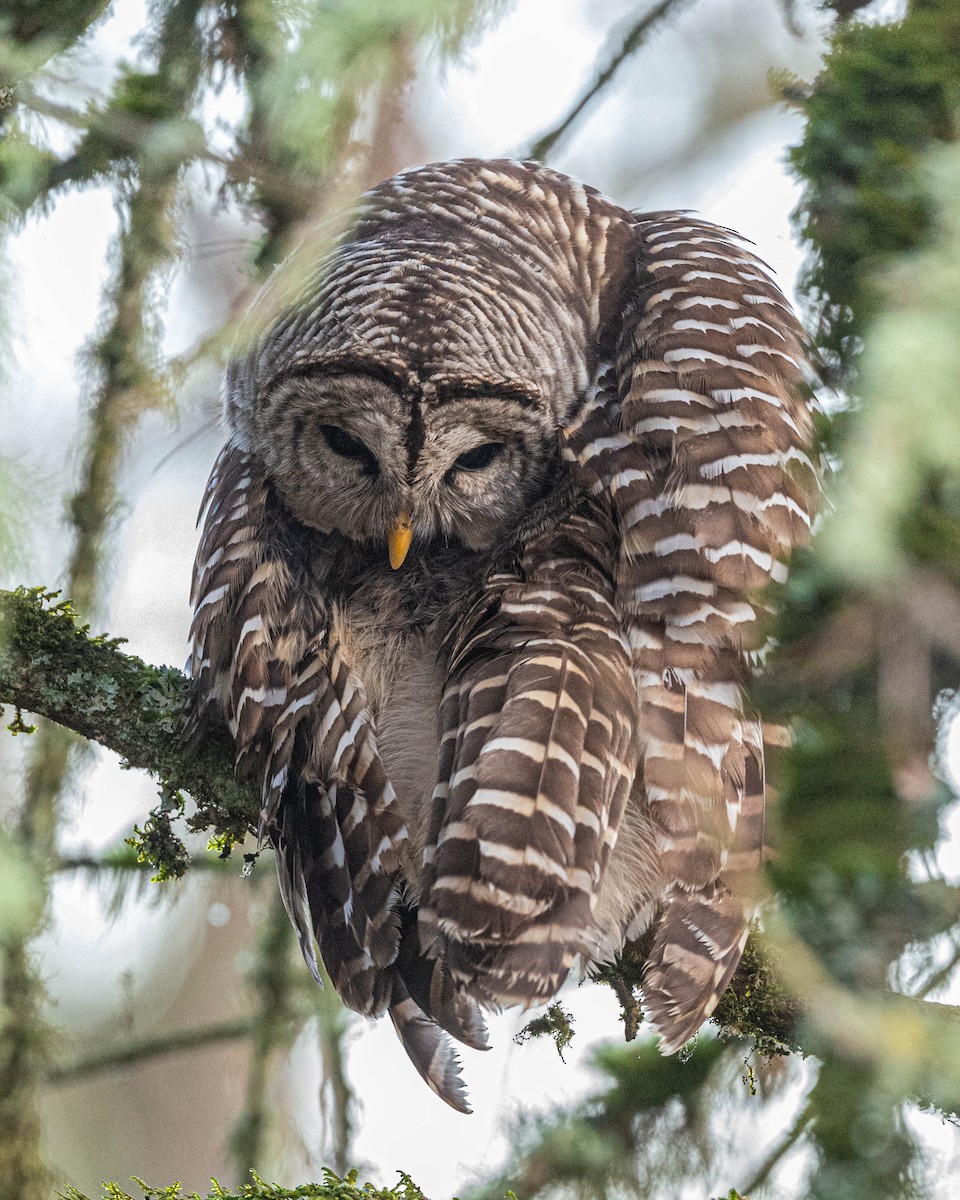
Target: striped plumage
528,741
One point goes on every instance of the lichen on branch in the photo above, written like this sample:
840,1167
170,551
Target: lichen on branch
54,667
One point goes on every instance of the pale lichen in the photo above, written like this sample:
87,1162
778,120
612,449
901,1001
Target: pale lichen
52,666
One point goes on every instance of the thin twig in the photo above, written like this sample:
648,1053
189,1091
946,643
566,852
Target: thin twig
336,1097
271,1028
769,1164
140,1049
634,39
130,862
126,130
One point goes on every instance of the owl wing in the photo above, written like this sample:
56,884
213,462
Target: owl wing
536,763
263,660
700,432
262,656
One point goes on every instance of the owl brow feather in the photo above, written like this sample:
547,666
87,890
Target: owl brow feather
438,387
447,385
388,369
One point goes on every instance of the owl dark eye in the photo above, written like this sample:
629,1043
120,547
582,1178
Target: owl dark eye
347,446
479,457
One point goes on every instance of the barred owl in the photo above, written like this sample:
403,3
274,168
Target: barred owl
477,594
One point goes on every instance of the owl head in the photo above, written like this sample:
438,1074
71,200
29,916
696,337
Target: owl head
392,458
415,382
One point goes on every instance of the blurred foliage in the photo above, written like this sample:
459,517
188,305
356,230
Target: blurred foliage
855,665
311,75
32,22
33,31
20,893
866,636
14,496
274,979
861,653
333,1188
888,93
646,1131
307,86
898,505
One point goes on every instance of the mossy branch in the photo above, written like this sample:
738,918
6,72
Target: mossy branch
756,1007
54,667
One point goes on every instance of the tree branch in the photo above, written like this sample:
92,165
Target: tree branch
52,667
139,1049
634,39
763,1172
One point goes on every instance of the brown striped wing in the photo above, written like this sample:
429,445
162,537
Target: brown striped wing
261,656
700,432
536,764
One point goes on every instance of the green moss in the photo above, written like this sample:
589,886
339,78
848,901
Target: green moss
625,975
555,1023
887,93
18,725
156,842
51,665
756,1008
332,1188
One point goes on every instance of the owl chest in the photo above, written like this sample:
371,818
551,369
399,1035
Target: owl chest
397,664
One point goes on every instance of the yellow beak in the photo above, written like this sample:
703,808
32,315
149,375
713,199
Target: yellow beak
399,539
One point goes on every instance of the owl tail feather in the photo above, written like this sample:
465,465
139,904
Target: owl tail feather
431,987
695,953
428,1048
323,904
526,970
293,892
703,927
